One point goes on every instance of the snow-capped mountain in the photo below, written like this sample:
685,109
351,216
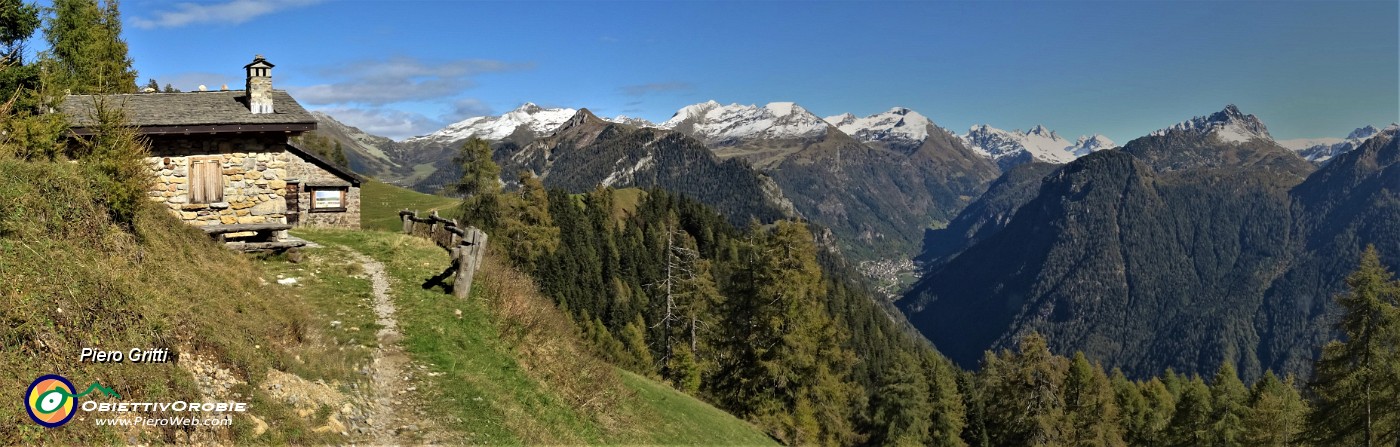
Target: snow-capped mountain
1010,148
1088,144
1228,125
1319,150
537,120
631,121
586,152
721,125
898,127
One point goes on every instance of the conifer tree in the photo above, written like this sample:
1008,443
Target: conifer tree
1357,381
1276,413
87,48
949,413
790,369
525,222
1024,396
687,296
976,432
684,371
902,403
1228,406
635,341
1191,425
479,186
26,92
18,21
1160,407
338,156
1090,410
115,158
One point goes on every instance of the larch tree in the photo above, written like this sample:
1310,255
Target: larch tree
86,48
529,231
480,184
1091,414
790,370
949,411
1228,396
1276,413
688,294
1357,380
1157,418
1191,425
18,21
902,403
1024,395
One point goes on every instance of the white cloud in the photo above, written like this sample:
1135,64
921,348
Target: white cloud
379,93
400,79
406,67
395,124
466,108
230,12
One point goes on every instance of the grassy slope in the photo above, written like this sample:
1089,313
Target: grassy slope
508,373
625,202
501,392
380,204
71,279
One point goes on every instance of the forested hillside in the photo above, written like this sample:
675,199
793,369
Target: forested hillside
1176,251
762,323
749,319
988,214
587,152
878,201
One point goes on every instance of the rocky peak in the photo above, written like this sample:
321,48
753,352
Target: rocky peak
528,108
1363,133
583,117
1229,124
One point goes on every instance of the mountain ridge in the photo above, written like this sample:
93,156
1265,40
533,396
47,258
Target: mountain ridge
1181,250
595,152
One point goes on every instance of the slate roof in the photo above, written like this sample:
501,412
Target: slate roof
196,111
311,157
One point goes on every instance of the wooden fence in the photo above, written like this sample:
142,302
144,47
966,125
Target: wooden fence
466,245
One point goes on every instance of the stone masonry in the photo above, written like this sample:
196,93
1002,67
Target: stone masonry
256,170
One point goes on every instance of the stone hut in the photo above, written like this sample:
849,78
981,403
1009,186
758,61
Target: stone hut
224,157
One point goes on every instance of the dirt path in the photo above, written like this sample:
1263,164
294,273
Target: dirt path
395,418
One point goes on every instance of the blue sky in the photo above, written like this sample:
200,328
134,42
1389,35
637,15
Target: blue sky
401,68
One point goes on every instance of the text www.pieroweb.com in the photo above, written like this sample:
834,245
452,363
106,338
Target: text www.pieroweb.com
213,421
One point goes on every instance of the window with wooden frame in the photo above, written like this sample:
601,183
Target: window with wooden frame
327,200
206,180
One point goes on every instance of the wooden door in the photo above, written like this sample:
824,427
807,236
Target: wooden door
293,203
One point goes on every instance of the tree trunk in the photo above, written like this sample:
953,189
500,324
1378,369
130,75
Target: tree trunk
670,300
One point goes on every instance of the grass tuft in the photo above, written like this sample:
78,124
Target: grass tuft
70,279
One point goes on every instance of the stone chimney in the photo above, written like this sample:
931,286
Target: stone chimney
259,85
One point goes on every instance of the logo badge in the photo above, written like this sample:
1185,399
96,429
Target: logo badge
51,401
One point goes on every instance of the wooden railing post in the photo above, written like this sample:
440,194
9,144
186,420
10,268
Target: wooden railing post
468,258
407,221
480,247
466,246
433,229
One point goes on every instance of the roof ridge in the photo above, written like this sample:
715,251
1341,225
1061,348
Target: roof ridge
167,110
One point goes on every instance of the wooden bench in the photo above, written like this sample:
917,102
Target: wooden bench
264,240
